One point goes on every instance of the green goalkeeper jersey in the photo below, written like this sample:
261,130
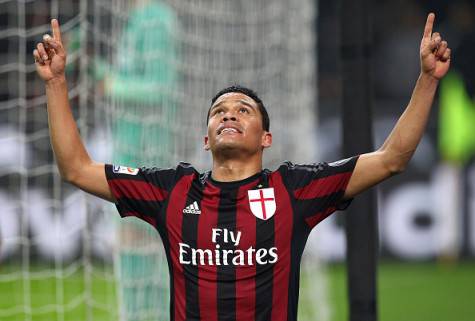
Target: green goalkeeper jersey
141,86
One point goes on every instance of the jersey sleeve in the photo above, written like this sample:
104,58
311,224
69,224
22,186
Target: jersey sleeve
140,192
318,188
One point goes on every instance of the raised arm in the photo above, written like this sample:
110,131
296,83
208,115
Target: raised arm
392,157
73,161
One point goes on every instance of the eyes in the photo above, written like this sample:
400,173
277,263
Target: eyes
221,111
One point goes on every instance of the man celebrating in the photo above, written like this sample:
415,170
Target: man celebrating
234,236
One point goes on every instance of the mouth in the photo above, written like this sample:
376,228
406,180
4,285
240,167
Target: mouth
228,130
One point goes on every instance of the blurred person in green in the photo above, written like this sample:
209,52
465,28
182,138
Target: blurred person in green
139,86
457,92
456,130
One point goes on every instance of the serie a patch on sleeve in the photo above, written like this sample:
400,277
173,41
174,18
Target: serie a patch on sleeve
125,170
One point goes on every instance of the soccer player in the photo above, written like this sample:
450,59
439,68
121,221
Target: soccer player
234,236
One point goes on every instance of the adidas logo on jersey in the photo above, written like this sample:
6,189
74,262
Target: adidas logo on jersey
192,208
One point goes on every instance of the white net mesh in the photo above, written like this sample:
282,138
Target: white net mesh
141,75
50,233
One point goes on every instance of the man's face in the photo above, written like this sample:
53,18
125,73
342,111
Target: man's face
235,124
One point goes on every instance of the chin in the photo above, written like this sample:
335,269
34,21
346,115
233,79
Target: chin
229,148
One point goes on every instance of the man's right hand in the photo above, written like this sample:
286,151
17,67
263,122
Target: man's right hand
74,163
50,55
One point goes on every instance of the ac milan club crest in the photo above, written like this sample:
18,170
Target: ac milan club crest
262,202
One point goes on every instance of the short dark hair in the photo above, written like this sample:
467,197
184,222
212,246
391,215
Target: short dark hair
248,92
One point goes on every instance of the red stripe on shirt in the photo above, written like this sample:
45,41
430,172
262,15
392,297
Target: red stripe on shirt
134,189
323,186
207,274
283,224
245,275
174,219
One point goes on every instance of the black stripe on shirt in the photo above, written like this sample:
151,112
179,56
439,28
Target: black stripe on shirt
227,273
190,237
265,238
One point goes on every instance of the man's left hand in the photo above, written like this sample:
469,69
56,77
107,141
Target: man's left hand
434,52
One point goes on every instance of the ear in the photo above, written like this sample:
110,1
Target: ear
206,145
266,140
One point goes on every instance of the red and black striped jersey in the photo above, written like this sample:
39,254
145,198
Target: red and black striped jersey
233,248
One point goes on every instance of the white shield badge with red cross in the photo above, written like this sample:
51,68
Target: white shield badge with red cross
262,202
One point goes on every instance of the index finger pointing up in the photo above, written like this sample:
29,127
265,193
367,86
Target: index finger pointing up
429,25
56,31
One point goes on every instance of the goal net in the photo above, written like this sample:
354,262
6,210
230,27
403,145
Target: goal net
141,75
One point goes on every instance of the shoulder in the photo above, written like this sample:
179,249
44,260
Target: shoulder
181,169
289,168
341,165
298,175
153,174
312,167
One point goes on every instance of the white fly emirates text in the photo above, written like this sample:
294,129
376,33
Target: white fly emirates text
219,256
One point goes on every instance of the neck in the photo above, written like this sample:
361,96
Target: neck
235,169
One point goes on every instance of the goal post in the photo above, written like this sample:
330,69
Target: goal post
141,75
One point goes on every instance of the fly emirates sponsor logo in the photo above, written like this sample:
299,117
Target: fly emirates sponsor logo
219,256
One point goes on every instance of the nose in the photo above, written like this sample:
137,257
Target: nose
232,118
229,115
